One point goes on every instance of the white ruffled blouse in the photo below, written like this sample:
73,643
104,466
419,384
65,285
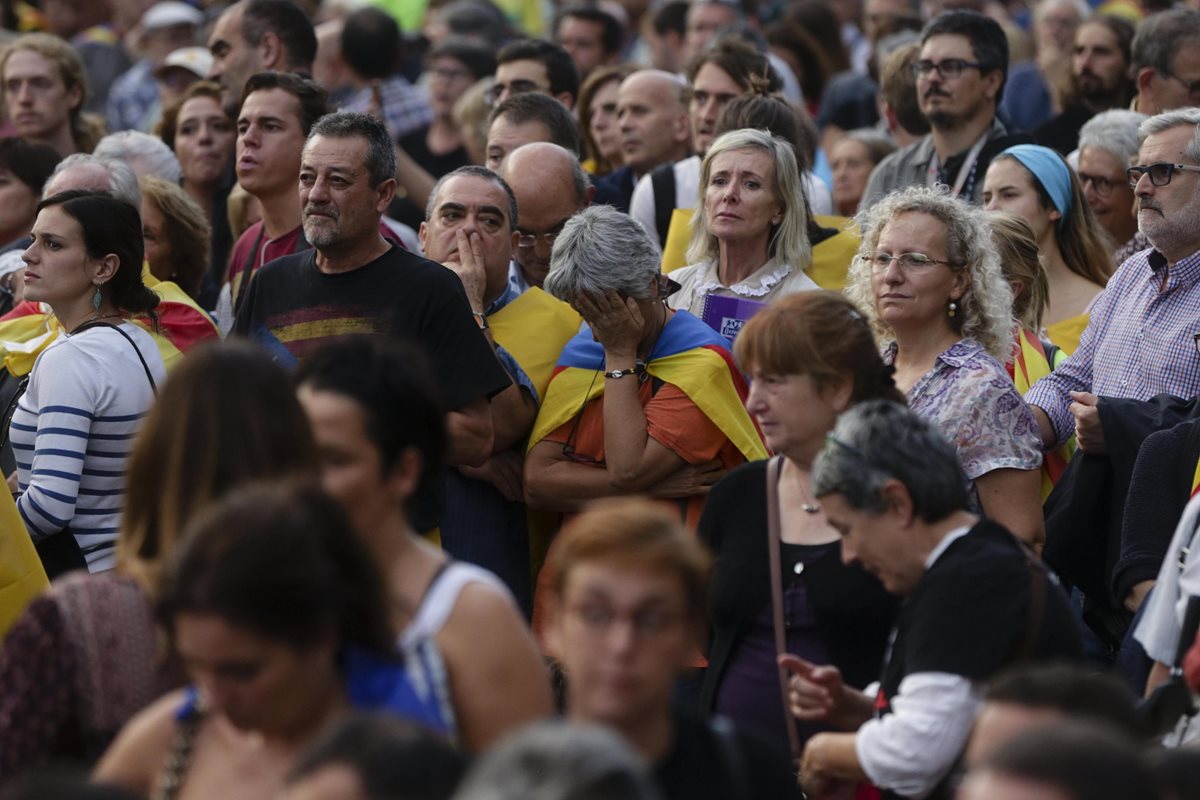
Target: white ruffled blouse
769,282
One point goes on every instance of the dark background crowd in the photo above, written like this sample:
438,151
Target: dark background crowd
605,399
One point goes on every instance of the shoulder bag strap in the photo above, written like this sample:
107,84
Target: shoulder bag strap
774,536
101,324
662,180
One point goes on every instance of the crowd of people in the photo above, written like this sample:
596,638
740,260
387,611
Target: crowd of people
647,399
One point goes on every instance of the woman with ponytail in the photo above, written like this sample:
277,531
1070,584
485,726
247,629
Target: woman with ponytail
73,426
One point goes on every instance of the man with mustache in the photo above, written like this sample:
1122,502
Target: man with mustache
960,78
1166,61
1100,73
354,281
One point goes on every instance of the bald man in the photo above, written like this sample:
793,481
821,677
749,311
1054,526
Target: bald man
550,188
656,129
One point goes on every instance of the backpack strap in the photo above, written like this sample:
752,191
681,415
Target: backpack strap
662,180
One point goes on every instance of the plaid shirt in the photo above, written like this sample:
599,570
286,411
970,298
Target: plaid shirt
1138,343
405,107
133,99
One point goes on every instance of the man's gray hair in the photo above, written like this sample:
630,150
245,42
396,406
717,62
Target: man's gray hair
1114,131
122,182
381,153
148,156
1175,118
877,440
1160,36
602,250
474,171
558,760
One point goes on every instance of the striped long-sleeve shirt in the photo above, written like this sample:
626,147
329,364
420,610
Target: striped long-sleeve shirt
72,432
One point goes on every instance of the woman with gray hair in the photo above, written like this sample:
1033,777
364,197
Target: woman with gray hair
644,399
976,601
749,231
930,279
1108,143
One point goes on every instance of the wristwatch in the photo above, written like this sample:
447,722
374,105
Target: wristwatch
481,320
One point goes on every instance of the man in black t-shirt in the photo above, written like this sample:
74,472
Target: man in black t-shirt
627,609
975,602
354,281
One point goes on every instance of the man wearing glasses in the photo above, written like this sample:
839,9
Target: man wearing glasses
1166,62
1139,342
960,78
533,65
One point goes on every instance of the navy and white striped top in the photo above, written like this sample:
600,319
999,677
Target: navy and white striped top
72,432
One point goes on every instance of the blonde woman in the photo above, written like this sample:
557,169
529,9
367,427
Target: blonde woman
749,234
931,281
176,234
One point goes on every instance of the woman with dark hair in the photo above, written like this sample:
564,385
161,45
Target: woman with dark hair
598,128
226,416
1035,183
381,433
810,356
89,389
24,169
279,614
177,235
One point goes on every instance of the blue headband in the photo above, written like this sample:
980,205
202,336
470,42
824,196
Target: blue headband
1049,170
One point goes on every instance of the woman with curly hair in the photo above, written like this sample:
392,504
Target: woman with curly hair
931,280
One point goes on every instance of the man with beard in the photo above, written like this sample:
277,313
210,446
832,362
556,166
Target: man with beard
355,282
1100,71
960,79
1140,341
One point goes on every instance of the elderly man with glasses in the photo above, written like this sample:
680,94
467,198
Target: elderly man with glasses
960,79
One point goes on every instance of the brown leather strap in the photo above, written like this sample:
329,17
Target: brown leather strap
774,537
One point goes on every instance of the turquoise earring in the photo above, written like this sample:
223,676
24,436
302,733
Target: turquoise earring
96,299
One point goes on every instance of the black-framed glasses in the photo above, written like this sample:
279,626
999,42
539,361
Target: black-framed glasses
529,240
948,68
1193,87
1160,173
1102,185
912,262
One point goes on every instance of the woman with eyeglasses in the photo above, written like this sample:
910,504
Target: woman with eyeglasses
645,399
1035,183
931,281
1108,144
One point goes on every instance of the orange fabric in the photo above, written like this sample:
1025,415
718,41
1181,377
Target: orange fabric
673,421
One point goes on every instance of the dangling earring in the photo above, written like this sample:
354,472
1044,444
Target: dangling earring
951,309
96,299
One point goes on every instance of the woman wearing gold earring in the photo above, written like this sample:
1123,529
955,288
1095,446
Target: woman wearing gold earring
73,426
749,235
930,279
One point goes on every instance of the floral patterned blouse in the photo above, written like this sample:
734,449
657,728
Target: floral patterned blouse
970,397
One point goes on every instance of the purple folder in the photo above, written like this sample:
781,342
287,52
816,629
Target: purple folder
727,315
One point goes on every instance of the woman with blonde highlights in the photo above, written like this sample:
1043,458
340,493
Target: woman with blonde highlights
176,233
938,301
749,232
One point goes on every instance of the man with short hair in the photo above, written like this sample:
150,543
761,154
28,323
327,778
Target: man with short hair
471,229
533,65
43,98
1100,77
590,35
372,46
550,187
278,110
525,118
960,79
252,36
1166,61
627,614
652,114
355,281
1139,340
668,26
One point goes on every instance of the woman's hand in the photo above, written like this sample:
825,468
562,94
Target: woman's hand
617,323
